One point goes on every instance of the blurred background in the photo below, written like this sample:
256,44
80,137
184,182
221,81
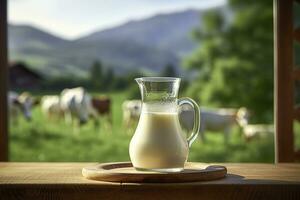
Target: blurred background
222,50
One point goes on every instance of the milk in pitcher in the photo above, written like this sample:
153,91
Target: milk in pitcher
158,142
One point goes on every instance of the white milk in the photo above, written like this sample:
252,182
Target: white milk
158,142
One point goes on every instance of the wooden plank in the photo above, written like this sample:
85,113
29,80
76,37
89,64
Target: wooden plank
71,173
297,34
64,181
283,100
3,82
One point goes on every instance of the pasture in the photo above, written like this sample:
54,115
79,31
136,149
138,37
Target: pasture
53,140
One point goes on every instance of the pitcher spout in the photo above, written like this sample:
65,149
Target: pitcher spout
139,80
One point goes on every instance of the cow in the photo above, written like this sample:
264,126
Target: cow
251,131
214,119
76,104
103,106
51,106
131,111
21,103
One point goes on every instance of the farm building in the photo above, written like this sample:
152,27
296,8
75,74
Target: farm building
22,77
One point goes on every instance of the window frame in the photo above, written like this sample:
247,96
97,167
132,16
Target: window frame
283,81
283,85
3,82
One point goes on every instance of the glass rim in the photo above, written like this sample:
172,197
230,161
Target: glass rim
158,79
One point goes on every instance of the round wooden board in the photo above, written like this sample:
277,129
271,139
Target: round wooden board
126,173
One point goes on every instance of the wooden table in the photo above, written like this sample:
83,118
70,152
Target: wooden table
64,181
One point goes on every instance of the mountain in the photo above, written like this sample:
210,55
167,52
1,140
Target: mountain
27,37
164,31
53,56
146,45
33,46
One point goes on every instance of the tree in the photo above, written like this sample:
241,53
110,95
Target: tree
235,61
169,71
96,75
109,78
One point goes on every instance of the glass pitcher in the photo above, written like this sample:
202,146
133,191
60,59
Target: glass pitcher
158,143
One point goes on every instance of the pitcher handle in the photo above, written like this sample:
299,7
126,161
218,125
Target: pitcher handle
196,127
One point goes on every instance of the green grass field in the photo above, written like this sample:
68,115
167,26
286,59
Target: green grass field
45,140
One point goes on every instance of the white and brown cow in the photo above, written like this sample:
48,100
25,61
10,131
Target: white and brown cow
103,107
221,120
131,111
76,104
51,106
20,104
251,131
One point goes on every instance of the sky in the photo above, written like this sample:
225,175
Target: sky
71,19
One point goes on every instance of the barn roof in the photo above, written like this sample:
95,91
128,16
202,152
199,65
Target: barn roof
23,67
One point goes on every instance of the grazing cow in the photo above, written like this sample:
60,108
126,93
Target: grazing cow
21,103
257,130
214,119
51,106
76,103
103,106
14,106
131,111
